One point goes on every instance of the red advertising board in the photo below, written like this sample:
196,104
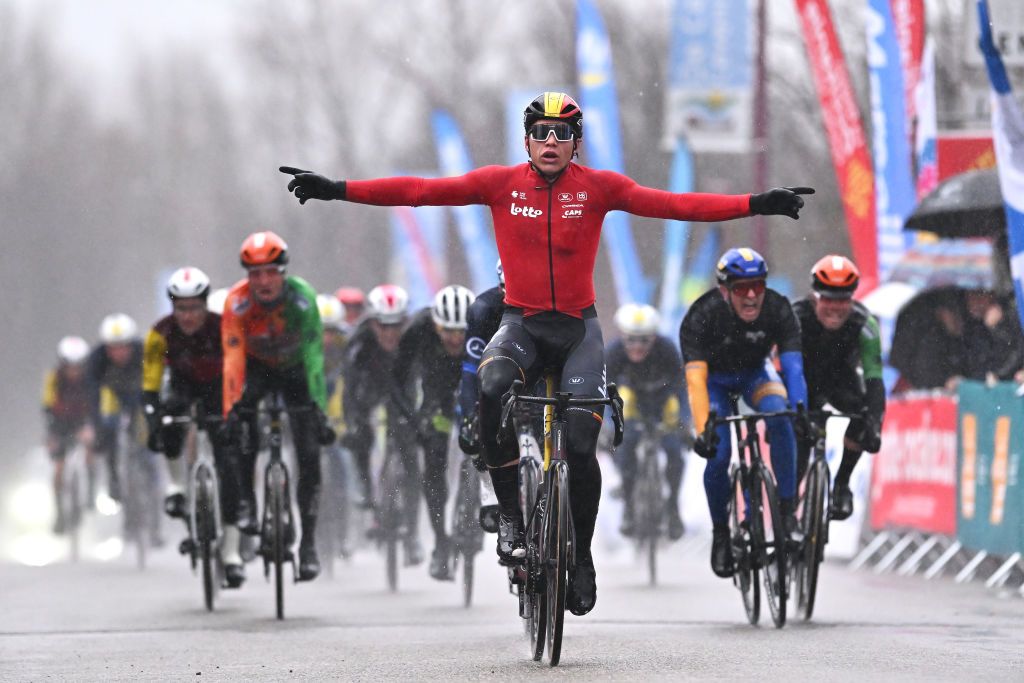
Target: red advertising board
913,479
958,152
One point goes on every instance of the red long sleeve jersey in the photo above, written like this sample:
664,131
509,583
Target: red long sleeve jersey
548,234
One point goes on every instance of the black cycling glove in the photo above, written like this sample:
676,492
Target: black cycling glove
308,185
469,440
704,447
785,201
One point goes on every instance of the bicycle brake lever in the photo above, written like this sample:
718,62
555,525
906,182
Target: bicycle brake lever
508,403
617,418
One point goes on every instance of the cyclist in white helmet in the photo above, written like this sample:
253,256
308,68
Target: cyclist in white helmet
430,357
367,378
647,368
114,365
187,345
66,411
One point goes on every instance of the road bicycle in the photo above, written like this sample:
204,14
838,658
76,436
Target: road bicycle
814,513
550,537
203,513
467,535
760,544
277,525
649,499
140,480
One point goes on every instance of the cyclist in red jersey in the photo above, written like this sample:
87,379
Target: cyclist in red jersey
547,216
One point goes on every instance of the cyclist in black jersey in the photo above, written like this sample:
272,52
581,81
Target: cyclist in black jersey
727,337
483,320
843,365
368,381
430,356
115,363
647,369
186,346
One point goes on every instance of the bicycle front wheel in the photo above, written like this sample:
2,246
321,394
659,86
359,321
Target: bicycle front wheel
649,508
815,535
746,573
206,532
771,539
276,494
391,506
555,553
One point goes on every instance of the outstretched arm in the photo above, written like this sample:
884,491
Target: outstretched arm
396,191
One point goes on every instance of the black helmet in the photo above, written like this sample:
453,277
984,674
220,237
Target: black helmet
554,105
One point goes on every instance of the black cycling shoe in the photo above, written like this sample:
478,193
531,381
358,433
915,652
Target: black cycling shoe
582,594
413,551
174,505
721,553
842,502
440,567
234,575
309,561
247,522
628,525
790,523
676,528
511,540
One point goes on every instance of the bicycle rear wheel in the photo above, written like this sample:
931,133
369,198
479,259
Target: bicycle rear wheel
815,536
771,539
745,576
556,556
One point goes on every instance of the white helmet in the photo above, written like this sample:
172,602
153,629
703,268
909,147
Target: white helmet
188,283
332,311
637,320
500,271
216,300
388,304
451,307
72,350
118,328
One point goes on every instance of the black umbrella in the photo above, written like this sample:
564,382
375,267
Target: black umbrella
968,204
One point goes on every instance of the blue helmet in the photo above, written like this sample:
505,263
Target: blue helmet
740,264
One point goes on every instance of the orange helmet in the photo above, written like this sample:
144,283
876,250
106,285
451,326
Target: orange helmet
263,249
835,277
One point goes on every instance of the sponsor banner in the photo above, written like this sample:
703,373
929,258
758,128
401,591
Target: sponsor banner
477,237
711,74
960,152
926,131
677,234
909,19
845,134
604,145
1008,134
990,495
894,187
913,479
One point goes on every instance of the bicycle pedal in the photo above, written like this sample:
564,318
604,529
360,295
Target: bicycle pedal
187,547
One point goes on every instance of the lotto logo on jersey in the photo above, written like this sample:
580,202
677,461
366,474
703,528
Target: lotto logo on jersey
527,211
572,213
581,196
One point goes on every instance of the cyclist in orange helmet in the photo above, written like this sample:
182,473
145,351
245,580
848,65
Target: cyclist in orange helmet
843,366
273,341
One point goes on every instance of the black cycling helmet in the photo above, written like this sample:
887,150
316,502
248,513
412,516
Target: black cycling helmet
554,105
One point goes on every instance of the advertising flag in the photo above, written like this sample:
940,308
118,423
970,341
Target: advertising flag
604,146
845,134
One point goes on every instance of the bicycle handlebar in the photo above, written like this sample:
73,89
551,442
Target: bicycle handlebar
563,400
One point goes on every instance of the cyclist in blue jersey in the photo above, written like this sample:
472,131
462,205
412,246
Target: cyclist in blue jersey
727,337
